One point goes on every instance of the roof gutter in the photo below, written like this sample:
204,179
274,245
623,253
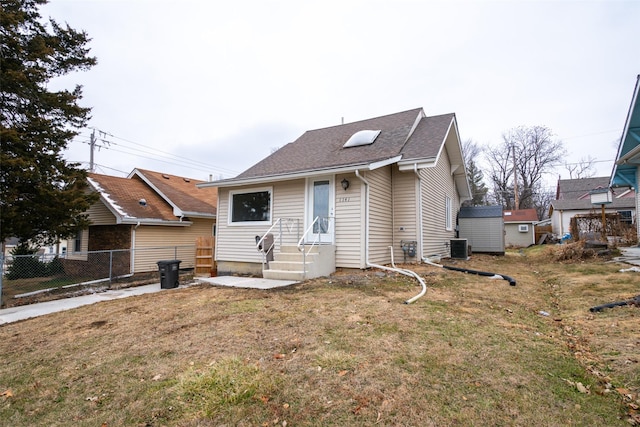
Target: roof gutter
236,182
150,221
629,157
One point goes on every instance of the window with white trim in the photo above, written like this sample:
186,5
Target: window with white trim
626,217
77,243
448,213
250,207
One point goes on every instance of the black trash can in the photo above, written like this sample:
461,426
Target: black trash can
169,270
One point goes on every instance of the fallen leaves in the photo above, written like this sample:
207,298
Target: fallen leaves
7,394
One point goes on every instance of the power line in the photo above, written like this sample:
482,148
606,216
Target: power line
165,157
155,150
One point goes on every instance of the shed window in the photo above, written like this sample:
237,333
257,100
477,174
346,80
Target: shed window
250,206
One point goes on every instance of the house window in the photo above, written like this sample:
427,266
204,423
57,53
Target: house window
77,244
250,206
448,213
626,217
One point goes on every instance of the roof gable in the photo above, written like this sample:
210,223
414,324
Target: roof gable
131,199
575,189
628,156
575,194
180,192
324,148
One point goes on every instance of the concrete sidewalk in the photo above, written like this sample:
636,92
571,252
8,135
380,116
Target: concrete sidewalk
22,312
630,255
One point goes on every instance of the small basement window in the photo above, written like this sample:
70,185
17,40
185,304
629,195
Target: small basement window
362,137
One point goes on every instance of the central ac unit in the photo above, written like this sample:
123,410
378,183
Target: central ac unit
459,249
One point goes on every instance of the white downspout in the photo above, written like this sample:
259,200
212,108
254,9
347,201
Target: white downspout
133,248
420,242
366,248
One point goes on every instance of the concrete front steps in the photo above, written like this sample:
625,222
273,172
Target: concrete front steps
288,263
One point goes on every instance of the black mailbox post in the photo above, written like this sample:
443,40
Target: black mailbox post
169,271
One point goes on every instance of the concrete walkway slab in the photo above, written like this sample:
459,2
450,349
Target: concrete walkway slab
22,312
630,255
246,282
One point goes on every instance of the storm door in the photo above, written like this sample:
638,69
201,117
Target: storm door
320,198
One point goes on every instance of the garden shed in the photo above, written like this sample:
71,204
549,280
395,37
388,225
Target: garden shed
483,227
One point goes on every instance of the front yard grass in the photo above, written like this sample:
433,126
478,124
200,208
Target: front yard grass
339,351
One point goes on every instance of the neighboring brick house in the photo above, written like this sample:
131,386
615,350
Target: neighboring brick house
143,211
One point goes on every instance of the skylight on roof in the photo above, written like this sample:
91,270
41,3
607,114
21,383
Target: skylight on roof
362,137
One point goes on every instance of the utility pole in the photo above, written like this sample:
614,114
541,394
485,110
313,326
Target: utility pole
92,146
515,178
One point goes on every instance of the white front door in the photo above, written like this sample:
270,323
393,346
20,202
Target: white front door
320,198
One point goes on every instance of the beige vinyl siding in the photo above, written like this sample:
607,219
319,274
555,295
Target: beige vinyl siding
100,214
84,247
155,243
380,215
236,243
436,184
349,223
405,212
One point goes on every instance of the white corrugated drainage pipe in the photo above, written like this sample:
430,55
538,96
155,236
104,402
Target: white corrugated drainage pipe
382,267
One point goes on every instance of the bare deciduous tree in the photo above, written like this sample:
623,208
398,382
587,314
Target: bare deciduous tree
526,153
585,168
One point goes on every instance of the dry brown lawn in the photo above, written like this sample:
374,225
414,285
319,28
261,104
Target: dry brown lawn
341,351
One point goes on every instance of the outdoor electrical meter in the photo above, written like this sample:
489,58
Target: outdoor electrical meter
408,248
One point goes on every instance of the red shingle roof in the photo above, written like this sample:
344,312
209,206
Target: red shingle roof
149,195
520,215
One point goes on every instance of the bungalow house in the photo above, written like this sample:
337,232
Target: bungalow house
573,197
348,192
145,214
519,227
626,170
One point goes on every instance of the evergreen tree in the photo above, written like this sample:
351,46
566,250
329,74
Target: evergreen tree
476,183
479,190
42,197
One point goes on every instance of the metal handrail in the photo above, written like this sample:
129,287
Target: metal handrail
306,232
278,222
317,240
259,242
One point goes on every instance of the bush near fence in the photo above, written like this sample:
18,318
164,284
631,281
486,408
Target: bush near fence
34,278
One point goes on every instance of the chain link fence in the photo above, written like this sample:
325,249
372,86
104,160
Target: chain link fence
40,277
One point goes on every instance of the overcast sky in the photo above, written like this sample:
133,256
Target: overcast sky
195,88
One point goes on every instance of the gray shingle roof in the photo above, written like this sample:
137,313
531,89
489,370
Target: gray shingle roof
323,148
480,212
574,194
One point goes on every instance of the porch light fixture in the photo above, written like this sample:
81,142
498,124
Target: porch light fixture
345,184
